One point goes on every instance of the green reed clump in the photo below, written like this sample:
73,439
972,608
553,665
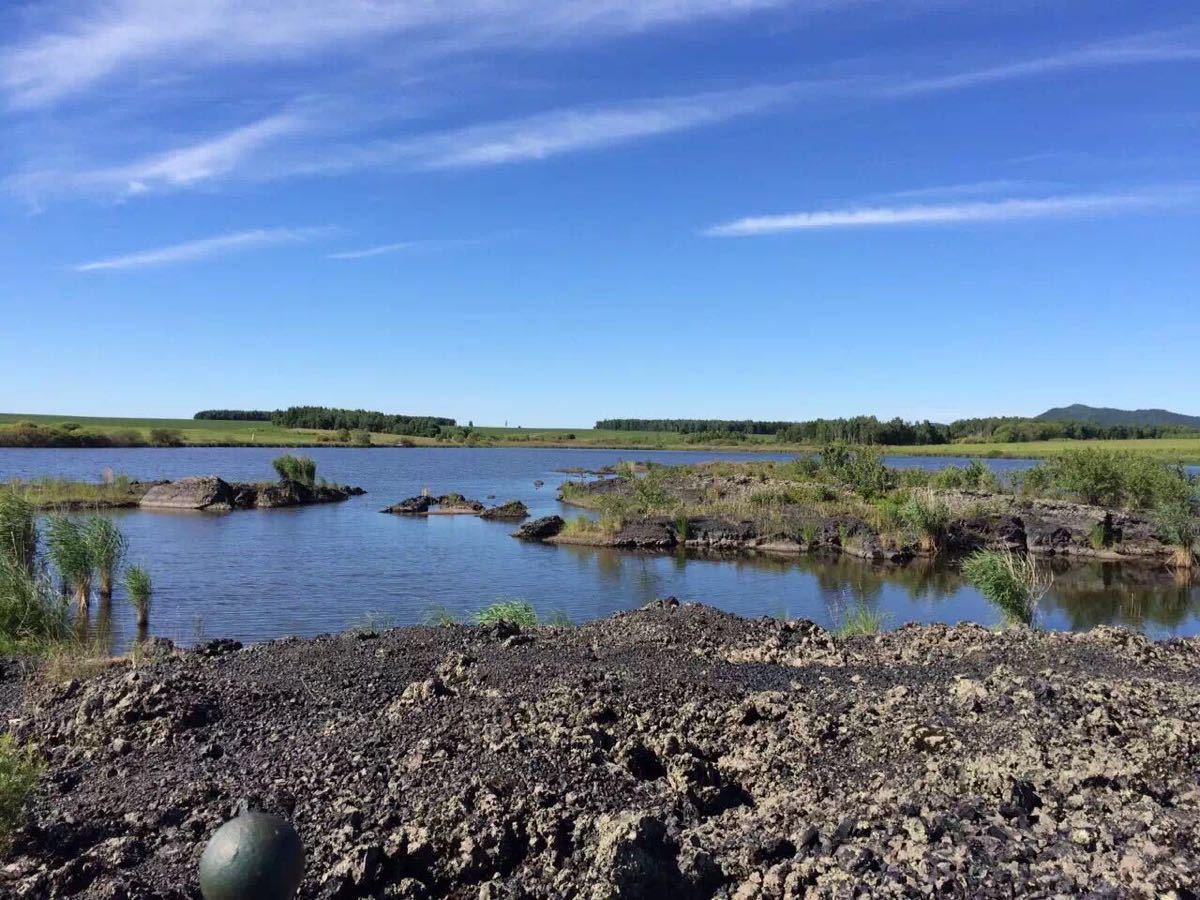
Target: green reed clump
32,614
1013,583
138,588
296,468
516,612
18,531
19,770
69,551
107,547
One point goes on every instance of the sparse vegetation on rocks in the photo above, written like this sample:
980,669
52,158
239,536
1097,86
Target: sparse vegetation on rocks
847,501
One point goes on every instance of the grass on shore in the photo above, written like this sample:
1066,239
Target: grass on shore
58,493
19,770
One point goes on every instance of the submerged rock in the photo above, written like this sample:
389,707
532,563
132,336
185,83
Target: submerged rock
413,506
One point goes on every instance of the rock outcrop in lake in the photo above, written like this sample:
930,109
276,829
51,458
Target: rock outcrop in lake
540,529
456,505
513,509
672,752
976,520
213,494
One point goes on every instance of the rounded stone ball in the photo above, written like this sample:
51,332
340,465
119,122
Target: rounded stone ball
253,857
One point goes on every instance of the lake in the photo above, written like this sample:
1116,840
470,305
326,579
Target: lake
257,575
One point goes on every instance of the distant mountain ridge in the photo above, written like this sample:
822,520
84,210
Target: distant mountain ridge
1102,415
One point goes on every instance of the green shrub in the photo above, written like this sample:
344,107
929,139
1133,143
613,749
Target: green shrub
1033,482
296,468
107,547
19,770
1014,584
1177,524
1117,478
516,612
859,468
166,437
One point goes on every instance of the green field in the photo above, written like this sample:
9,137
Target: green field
205,432
1170,450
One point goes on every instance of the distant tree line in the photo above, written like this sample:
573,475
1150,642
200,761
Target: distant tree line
898,432
236,415
359,419
693,426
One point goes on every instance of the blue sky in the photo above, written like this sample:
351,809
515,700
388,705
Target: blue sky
545,212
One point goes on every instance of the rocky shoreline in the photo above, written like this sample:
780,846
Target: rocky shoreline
674,751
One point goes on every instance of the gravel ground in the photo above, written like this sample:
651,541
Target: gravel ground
676,751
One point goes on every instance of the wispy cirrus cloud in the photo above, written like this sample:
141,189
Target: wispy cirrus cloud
204,248
545,135
181,167
426,244
988,188
83,44
1139,49
572,130
1007,210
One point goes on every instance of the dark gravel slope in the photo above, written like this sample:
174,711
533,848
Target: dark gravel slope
673,752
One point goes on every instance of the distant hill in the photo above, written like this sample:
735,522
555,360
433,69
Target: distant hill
1100,415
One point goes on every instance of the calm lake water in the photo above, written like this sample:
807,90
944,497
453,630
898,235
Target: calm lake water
257,575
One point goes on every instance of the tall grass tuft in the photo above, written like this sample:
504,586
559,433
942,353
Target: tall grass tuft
517,612
18,531
19,770
70,554
1014,584
296,468
860,620
929,516
1178,525
107,547
32,615
138,588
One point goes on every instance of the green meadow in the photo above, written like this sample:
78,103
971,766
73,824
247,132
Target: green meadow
207,432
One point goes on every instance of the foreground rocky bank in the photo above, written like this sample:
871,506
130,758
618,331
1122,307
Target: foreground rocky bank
672,752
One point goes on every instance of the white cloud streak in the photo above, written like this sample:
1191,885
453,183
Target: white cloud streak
181,167
959,213
565,131
1152,47
204,248
86,44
